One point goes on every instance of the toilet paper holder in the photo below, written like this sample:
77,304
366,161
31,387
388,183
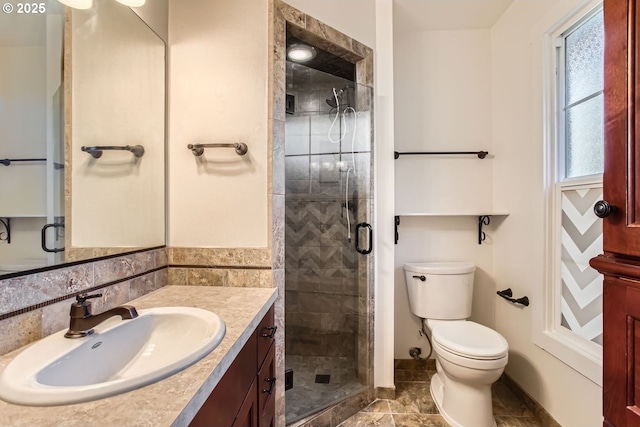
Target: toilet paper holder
508,295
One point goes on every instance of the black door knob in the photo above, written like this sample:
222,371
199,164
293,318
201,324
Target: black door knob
603,209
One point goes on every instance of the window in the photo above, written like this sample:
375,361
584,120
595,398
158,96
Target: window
572,315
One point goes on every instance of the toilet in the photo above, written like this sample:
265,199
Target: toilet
469,357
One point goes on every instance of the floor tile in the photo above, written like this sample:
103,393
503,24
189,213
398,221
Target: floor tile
413,397
506,403
419,420
379,405
414,407
369,419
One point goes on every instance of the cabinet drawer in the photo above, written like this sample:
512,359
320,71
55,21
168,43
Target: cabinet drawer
265,335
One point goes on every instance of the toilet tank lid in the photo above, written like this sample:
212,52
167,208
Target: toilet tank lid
453,267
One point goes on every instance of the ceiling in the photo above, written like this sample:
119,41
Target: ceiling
433,15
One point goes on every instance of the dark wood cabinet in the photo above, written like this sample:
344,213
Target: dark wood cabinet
620,262
245,395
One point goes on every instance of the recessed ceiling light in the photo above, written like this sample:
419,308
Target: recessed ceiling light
301,52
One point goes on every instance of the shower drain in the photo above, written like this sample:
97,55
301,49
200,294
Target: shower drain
323,379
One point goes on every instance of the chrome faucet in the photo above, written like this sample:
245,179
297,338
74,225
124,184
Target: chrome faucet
82,321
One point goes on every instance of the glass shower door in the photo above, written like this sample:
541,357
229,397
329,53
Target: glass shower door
328,205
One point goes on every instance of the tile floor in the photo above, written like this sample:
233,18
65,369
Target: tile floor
413,406
307,396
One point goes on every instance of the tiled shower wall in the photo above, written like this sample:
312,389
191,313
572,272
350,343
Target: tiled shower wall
323,313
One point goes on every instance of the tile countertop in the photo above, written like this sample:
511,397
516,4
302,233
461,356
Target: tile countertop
175,400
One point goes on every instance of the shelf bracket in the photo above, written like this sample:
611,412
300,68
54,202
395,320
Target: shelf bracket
482,220
397,223
6,235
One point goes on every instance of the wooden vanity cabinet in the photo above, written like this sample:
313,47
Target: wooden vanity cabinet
245,395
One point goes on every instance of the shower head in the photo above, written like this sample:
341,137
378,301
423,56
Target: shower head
337,97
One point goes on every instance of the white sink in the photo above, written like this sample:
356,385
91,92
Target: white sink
121,355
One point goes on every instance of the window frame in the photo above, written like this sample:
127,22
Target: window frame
579,353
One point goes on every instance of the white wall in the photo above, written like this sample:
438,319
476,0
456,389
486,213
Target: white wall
218,94
442,103
517,52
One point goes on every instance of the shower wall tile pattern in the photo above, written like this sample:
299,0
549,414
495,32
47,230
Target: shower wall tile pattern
581,301
321,292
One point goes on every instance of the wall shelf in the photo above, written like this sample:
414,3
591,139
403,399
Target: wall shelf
483,219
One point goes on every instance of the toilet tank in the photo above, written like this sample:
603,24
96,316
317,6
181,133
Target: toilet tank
440,290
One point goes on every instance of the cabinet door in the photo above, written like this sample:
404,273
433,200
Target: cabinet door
622,152
267,390
621,356
222,405
248,414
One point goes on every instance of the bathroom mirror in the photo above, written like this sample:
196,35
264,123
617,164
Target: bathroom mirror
76,78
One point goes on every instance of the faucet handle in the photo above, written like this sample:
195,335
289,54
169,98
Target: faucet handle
83,297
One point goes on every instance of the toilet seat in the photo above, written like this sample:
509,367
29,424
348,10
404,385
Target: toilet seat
470,340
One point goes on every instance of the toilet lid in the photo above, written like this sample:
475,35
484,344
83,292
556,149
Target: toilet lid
470,339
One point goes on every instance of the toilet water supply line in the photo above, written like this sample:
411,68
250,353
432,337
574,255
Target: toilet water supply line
341,136
424,333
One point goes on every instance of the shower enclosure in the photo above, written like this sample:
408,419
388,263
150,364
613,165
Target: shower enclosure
328,260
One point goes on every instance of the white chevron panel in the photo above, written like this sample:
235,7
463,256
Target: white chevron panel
582,191
582,222
592,251
582,296
589,331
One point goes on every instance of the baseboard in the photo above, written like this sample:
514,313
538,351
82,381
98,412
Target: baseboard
385,393
540,413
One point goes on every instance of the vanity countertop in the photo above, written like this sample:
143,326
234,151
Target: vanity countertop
175,400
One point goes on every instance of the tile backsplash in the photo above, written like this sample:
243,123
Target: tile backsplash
36,305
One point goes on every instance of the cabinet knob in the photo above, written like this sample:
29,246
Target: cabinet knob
603,209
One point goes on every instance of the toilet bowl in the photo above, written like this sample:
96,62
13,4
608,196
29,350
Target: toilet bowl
469,357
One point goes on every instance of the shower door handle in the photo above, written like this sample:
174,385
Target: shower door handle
358,248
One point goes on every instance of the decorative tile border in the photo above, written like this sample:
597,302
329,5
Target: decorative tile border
32,323
18,294
220,257
221,276
35,305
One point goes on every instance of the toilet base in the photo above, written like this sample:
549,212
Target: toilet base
437,393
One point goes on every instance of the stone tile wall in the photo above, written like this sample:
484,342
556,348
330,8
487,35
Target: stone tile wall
36,305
